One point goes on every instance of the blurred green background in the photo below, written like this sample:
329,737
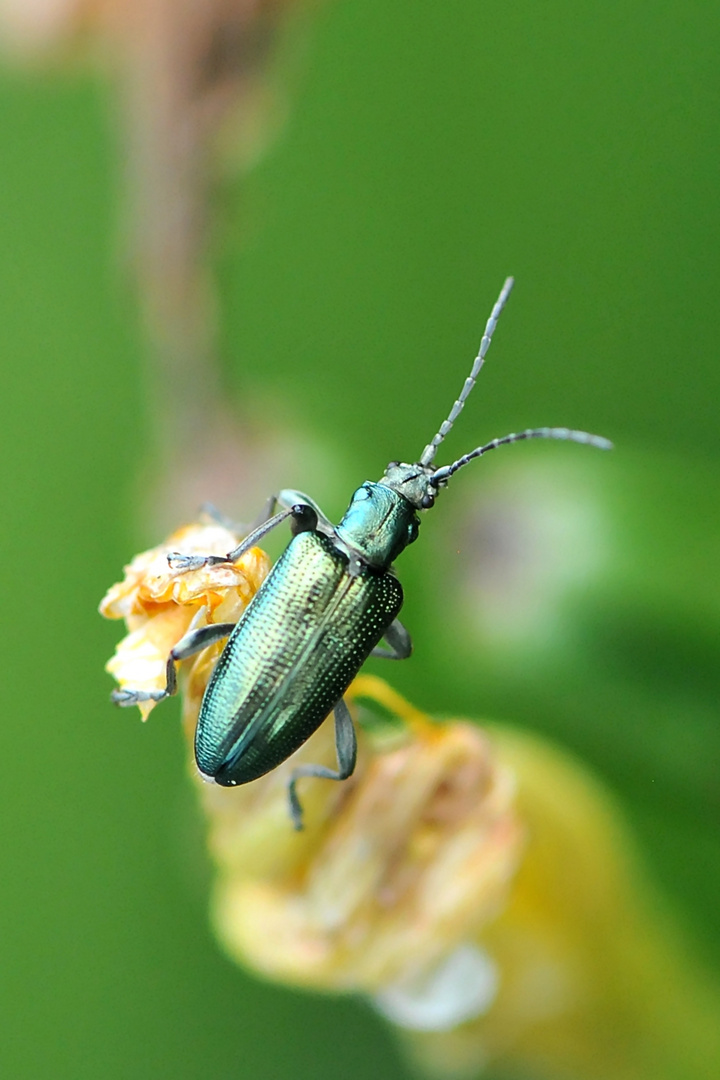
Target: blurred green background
430,151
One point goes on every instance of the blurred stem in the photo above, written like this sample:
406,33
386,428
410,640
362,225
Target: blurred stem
193,75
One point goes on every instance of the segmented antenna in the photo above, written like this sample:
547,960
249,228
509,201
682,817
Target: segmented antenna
443,474
428,454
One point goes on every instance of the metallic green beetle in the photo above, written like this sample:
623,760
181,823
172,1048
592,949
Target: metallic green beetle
321,612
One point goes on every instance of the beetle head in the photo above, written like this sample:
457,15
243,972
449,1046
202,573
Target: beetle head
413,482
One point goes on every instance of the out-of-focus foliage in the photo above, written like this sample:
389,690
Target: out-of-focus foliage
572,145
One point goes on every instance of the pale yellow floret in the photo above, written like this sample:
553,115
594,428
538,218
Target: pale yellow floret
159,603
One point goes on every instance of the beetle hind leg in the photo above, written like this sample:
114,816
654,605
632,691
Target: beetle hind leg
398,640
346,750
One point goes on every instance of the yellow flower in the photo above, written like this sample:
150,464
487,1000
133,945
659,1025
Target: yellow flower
478,887
159,605
398,870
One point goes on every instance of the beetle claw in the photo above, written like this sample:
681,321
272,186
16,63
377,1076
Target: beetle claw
177,561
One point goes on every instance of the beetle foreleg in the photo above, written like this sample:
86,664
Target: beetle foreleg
178,561
304,519
210,510
289,497
346,750
193,642
399,641
267,511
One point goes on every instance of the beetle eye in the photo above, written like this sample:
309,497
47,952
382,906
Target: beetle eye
392,465
427,501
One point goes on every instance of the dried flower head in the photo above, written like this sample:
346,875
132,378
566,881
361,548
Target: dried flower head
159,605
478,888
399,868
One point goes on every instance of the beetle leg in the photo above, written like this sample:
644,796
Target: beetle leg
346,750
178,561
267,511
193,642
286,500
399,641
211,511
289,497
304,519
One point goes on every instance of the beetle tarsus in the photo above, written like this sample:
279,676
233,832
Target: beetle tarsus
193,642
178,561
135,697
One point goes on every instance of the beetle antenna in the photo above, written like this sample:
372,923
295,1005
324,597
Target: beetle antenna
428,454
442,475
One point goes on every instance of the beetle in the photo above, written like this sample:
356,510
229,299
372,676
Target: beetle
321,612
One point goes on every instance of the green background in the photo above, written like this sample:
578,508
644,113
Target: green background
431,150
